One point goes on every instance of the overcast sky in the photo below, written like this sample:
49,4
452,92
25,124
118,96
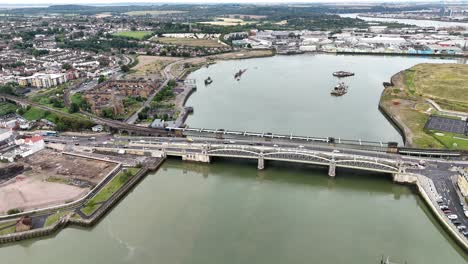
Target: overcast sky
51,2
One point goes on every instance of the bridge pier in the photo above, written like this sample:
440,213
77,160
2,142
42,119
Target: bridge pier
332,168
261,163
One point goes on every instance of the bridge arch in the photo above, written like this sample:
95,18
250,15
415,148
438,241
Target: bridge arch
301,156
366,164
234,152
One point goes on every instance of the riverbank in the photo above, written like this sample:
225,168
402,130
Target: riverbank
405,102
426,190
180,69
76,213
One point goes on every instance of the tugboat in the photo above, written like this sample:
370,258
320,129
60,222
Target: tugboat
238,74
208,81
340,89
342,74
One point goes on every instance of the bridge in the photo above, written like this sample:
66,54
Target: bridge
204,150
204,153
116,126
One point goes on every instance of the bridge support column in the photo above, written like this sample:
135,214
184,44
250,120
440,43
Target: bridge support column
261,163
332,168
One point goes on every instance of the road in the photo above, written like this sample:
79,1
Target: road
166,72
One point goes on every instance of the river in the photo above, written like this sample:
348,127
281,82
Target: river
228,212
416,22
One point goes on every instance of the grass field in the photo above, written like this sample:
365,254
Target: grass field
54,218
7,108
450,140
108,190
35,114
154,12
7,228
447,84
208,43
134,34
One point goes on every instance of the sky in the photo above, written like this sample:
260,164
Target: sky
52,2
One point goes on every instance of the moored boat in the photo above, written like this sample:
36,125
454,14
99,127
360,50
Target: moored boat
339,89
342,74
208,81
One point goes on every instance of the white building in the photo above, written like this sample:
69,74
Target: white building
30,145
5,134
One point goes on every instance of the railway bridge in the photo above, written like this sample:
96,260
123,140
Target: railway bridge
205,152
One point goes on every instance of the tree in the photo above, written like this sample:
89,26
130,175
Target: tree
107,113
125,68
103,61
102,79
74,108
14,211
66,66
171,83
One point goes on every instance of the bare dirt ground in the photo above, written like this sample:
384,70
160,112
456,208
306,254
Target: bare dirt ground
47,163
32,193
151,66
52,179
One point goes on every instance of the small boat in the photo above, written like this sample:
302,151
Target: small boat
208,81
342,74
238,74
340,89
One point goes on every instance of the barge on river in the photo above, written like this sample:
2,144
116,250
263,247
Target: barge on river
342,74
340,89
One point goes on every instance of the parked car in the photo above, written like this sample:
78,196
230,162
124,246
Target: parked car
461,227
452,217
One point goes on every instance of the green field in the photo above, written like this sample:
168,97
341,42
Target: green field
7,108
451,140
54,218
446,84
193,42
7,228
139,35
108,190
35,114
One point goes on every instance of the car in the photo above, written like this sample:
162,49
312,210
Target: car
456,222
336,151
77,144
461,203
300,146
232,141
447,212
465,233
73,137
461,227
275,145
443,207
452,216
